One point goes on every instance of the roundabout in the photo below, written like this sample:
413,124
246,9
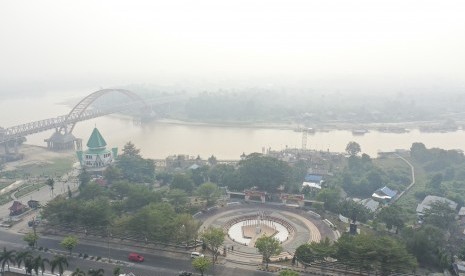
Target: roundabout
244,223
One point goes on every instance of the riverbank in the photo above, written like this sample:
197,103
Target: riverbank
398,127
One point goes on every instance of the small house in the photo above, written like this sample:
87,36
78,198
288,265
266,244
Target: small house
384,194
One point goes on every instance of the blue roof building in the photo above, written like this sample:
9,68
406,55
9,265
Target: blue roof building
384,194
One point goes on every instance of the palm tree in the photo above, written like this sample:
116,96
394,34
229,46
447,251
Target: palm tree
39,263
22,257
29,265
59,262
78,272
7,257
93,272
117,271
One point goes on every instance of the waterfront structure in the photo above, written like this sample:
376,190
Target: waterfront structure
97,157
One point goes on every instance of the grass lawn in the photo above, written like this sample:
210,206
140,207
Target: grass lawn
55,167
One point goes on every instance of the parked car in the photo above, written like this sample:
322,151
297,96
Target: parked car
185,273
134,257
196,255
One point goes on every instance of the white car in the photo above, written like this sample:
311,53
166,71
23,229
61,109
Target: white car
197,255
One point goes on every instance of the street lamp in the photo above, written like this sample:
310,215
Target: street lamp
109,236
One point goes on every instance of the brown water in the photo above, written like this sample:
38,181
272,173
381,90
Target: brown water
158,140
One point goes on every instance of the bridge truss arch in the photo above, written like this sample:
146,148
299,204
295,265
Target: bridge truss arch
79,110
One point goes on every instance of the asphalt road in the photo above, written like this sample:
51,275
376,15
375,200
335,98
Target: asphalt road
155,263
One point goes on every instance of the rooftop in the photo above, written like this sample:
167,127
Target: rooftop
96,140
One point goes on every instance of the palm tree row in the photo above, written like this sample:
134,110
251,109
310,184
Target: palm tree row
36,264
30,262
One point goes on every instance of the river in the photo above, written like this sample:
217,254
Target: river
160,139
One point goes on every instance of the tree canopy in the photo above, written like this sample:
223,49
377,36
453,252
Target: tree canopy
264,172
268,246
214,238
135,168
353,148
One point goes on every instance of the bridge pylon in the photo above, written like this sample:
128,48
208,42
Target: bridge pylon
63,140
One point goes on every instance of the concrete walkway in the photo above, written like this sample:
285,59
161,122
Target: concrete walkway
412,170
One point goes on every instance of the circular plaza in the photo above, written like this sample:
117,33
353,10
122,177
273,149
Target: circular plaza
244,223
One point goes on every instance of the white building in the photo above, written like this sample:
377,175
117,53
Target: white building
96,158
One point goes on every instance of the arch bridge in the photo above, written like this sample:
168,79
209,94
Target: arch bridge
64,125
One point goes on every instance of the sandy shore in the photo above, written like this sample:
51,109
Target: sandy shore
36,155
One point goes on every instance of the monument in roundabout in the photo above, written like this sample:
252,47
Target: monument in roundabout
247,229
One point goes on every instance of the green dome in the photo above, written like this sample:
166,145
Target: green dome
96,140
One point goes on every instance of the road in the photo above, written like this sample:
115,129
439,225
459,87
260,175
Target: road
156,263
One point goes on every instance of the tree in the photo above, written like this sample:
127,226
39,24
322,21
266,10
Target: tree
96,272
366,252
264,172
187,228
424,242
330,197
60,263
31,238
353,148
111,174
392,216
441,215
7,257
178,198
78,272
392,256
213,237
216,174
304,253
212,160
268,246
419,152
29,265
84,178
201,264
117,271
39,263
135,168
22,256
51,183
288,273
130,149
69,243
182,182
209,192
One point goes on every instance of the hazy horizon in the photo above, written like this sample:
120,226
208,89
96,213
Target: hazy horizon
345,46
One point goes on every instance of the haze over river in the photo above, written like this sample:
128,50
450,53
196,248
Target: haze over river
160,139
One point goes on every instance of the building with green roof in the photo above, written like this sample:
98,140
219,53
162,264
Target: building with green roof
97,157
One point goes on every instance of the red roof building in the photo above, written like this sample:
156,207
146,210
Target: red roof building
17,208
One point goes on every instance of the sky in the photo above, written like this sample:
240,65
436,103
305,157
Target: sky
110,43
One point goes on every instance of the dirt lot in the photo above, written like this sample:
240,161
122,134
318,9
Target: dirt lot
37,156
